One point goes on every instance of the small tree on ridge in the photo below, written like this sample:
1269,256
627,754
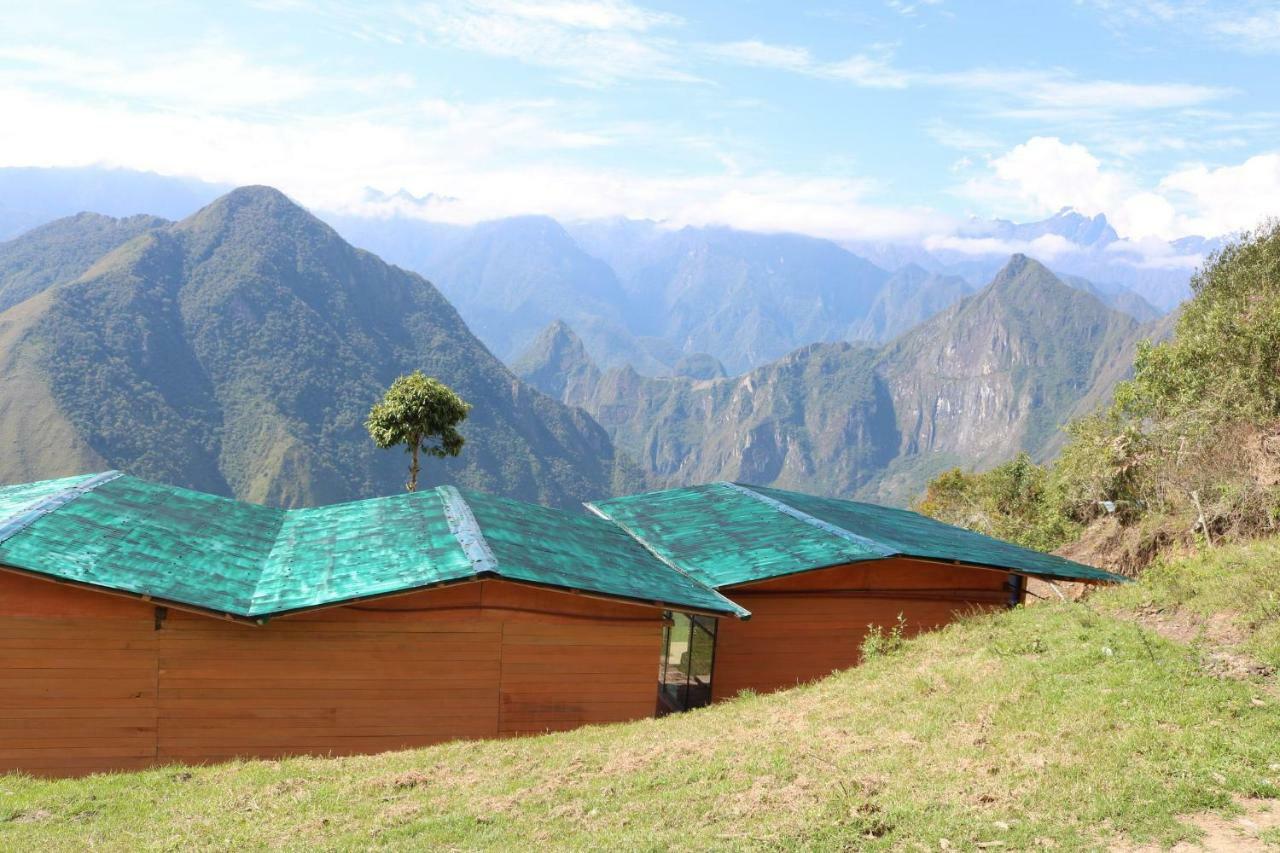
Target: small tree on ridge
421,413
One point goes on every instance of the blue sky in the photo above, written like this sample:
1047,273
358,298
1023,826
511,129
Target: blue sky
882,119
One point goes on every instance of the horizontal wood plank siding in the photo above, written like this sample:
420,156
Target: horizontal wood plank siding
806,626
88,682
77,680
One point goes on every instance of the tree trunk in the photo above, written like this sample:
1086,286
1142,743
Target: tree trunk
412,485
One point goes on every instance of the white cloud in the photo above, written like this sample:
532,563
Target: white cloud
1056,93
204,77
495,159
869,70
911,7
1045,174
1046,247
1226,198
581,14
1248,26
758,53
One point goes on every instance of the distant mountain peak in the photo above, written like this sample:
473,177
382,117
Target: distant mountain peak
555,360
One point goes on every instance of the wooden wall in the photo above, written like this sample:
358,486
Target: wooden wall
803,627
88,681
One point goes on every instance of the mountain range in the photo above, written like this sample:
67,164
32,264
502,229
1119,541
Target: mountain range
647,295
992,375
238,350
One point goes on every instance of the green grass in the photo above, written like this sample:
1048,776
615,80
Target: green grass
1062,725
1238,585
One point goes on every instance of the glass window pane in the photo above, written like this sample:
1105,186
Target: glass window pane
674,675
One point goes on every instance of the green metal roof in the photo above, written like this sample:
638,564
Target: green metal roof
672,548
250,561
726,533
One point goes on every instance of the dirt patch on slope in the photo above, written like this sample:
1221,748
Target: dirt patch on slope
1219,635
1242,833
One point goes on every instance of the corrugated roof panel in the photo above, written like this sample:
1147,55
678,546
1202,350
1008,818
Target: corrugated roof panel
17,500
547,546
723,537
252,561
728,533
155,540
360,549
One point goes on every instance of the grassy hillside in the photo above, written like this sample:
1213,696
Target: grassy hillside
1063,725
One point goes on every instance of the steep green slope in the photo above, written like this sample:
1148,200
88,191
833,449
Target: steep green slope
62,251
1063,726
239,350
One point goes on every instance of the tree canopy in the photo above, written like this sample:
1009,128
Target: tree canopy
422,414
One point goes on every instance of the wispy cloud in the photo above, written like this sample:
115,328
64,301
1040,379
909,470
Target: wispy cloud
592,42
763,55
1259,31
910,8
1024,92
872,69
1249,26
204,77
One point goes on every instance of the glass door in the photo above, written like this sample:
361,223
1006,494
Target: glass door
688,661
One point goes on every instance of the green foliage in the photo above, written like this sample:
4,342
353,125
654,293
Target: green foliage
1223,364
421,413
1018,501
880,643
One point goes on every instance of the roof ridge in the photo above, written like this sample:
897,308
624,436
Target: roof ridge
465,528
57,500
671,564
812,521
283,514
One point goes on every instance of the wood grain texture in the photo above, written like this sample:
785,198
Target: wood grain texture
88,683
804,627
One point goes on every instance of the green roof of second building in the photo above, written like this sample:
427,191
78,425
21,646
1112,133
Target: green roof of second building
725,534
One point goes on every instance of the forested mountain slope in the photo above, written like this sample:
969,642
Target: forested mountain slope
238,351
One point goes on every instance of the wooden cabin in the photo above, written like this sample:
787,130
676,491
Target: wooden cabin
816,574
143,624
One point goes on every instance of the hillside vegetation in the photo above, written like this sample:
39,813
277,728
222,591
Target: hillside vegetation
1066,725
1189,451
